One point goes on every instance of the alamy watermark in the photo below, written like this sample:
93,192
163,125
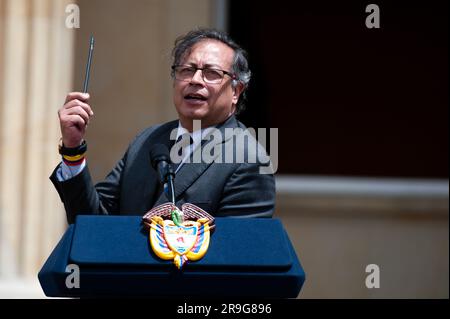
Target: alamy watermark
373,279
229,146
373,19
73,17
73,278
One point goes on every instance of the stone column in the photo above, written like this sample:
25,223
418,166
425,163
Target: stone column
36,52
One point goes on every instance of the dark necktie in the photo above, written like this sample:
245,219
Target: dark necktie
183,142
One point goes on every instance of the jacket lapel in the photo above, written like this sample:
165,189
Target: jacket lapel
160,136
190,172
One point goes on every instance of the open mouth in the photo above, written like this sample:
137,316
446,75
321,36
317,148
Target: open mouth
195,97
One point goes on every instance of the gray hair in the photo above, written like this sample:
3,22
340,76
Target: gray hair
240,69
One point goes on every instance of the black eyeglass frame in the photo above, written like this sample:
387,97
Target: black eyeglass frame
173,67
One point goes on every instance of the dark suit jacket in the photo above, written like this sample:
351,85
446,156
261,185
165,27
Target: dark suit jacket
133,188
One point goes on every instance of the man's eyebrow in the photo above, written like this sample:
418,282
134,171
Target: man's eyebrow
206,65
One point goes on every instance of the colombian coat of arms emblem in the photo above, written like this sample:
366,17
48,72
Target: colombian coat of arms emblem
179,235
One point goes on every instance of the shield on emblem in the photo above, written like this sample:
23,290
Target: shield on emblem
180,239
188,241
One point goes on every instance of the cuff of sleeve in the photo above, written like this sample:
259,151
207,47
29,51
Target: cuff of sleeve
66,172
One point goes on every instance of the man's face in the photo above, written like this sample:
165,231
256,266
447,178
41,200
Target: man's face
215,102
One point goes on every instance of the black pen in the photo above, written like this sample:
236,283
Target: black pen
88,65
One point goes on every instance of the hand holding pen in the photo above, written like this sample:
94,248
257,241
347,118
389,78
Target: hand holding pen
75,114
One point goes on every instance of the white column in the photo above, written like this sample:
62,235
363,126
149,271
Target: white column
36,61
13,81
60,72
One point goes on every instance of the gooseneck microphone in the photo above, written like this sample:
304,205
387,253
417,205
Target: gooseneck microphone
160,159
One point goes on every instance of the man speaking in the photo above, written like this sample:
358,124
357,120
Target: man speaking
210,74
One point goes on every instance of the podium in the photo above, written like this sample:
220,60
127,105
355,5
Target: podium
246,258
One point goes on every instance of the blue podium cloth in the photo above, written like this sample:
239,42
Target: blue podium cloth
246,257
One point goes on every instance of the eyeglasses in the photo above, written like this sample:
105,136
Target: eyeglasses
209,75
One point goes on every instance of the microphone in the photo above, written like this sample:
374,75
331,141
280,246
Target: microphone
160,159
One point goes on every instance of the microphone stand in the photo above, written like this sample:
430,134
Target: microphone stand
170,182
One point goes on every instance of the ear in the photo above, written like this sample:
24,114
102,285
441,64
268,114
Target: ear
237,90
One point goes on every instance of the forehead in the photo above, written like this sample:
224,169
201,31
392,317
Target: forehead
209,52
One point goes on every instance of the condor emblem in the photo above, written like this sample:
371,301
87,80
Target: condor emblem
181,238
